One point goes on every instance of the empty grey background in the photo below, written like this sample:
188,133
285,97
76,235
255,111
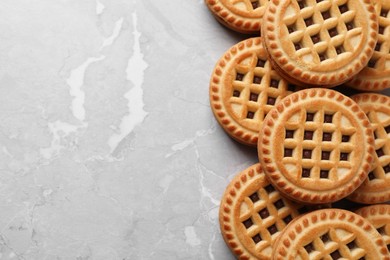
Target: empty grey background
108,146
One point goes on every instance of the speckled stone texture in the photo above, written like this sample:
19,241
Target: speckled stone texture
108,146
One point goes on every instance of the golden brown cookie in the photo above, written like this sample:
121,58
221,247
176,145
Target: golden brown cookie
243,16
330,234
316,146
376,75
243,88
376,188
379,217
320,42
252,214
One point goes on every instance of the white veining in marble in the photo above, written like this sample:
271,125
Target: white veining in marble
134,73
188,142
59,131
191,237
110,40
75,82
99,7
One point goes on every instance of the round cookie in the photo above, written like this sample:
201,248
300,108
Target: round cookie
376,188
316,145
243,88
376,75
320,42
243,16
252,214
330,234
379,217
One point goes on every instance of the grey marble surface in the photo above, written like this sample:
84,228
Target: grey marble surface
108,146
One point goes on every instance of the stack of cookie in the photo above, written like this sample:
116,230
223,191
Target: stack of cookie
316,146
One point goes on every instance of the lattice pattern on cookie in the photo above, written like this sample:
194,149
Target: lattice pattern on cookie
252,212
380,123
256,89
384,230
320,142
333,244
244,16
249,5
378,216
322,30
380,60
266,214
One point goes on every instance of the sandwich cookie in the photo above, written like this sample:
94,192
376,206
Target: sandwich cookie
376,75
320,42
243,89
376,188
243,16
316,146
252,214
330,234
379,217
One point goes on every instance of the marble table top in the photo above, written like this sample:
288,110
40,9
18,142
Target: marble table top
108,146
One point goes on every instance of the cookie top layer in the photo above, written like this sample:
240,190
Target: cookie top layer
320,42
243,89
316,146
330,234
252,214
376,75
379,217
376,188
240,15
